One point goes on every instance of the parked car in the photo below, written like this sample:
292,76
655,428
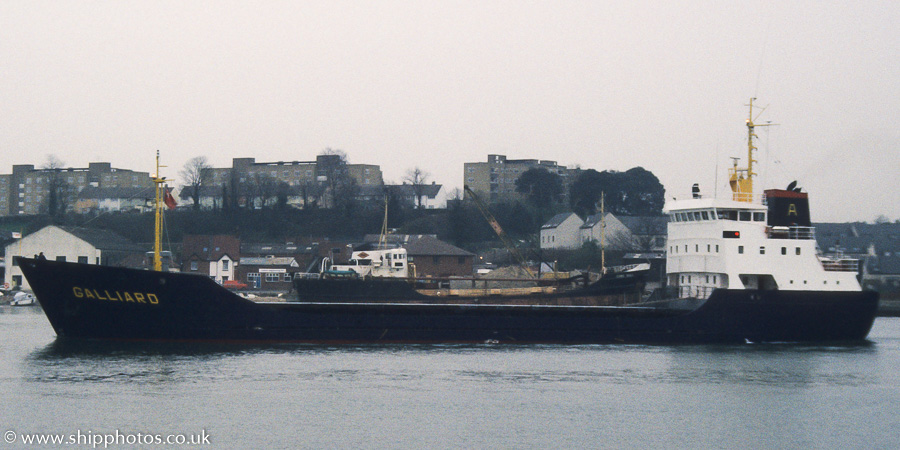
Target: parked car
234,284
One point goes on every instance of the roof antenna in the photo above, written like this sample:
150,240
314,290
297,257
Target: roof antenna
762,56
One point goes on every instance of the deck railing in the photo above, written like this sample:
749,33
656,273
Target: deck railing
840,265
798,233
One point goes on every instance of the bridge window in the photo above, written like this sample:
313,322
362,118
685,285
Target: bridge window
784,250
797,250
744,216
705,215
759,217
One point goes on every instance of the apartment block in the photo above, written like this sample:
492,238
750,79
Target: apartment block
27,190
304,179
495,180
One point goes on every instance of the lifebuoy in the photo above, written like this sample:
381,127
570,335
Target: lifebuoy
5,286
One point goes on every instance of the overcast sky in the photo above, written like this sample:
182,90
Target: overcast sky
607,85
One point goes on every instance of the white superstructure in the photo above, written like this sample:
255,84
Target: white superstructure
387,263
726,244
734,244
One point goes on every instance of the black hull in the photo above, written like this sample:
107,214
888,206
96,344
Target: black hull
98,302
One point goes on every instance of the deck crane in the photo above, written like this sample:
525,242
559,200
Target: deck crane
498,229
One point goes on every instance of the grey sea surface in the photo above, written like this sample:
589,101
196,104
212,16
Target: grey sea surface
449,396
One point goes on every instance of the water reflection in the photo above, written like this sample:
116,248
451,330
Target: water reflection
782,365
76,348
73,348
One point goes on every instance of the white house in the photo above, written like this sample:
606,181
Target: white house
72,244
562,232
634,233
222,269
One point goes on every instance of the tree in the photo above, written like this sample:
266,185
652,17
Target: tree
263,188
339,185
540,186
282,193
233,192
57,188
195,174
635,192
417,178
311,193
584,195
644,194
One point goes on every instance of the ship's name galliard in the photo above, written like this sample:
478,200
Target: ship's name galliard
115,296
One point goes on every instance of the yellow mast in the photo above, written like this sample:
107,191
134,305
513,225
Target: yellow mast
741,179
157,230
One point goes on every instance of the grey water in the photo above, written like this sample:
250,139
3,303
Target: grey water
452,396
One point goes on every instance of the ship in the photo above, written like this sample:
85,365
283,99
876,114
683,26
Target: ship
739,269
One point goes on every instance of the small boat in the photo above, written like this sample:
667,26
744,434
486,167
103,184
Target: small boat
22,299
742,269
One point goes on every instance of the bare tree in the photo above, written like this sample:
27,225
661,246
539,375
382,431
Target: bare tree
311,193
340,188
195,174
57,187
417,178
335,151
283,193
264,188
457,194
